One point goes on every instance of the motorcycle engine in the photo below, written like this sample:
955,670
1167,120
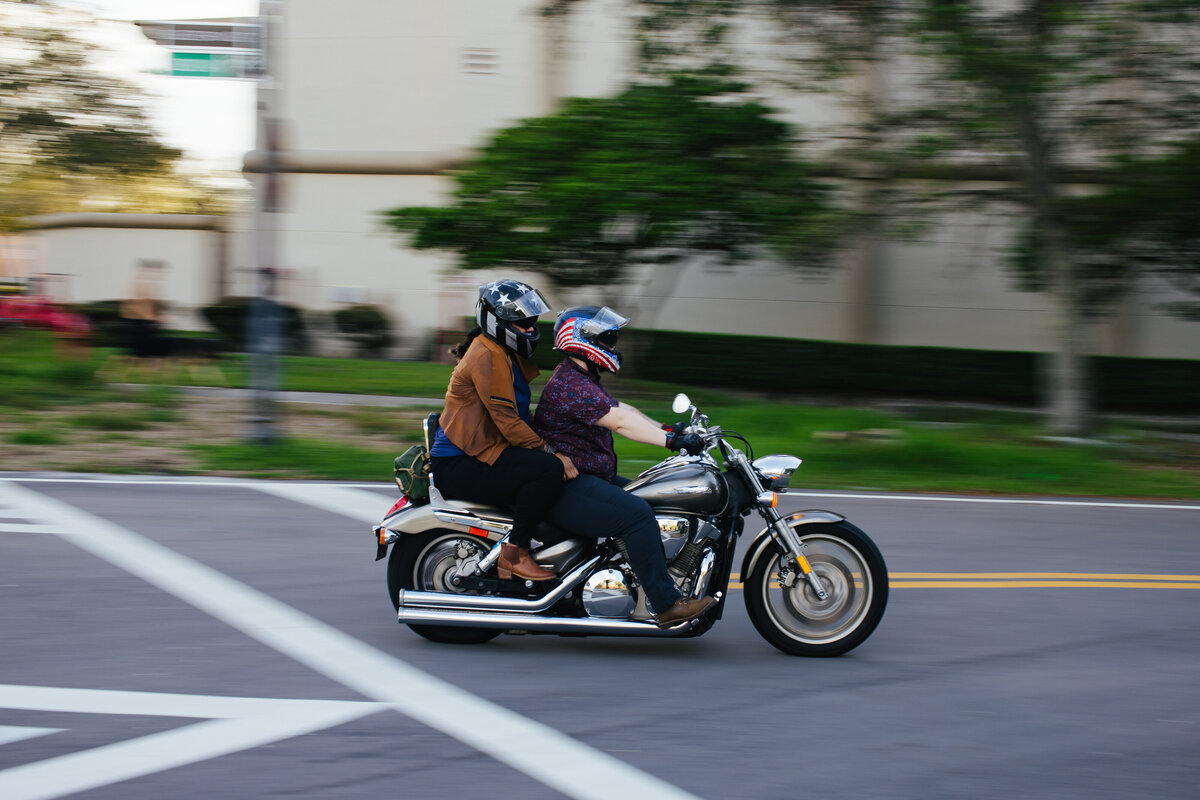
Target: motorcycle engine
687,544
608,594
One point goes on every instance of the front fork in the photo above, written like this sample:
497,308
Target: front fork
789,542
783,534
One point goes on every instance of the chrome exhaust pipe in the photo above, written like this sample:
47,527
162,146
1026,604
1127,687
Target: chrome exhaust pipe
588,625
475,602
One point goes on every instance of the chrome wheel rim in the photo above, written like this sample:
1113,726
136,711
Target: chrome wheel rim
796,610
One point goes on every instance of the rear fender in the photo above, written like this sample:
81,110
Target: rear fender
414,519
763,539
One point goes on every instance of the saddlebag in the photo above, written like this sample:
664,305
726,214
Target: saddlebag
412,472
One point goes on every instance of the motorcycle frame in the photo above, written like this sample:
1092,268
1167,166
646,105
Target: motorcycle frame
418,607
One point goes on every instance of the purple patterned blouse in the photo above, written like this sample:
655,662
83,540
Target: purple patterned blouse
566,415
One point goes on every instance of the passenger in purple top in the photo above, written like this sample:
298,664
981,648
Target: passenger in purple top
572,402
578,417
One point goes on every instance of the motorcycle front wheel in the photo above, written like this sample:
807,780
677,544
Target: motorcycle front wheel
425,562
793,619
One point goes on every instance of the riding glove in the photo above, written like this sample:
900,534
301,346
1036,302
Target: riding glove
690,442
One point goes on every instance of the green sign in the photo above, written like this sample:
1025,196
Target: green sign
206,65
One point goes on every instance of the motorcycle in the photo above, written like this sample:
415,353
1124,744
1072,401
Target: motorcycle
813,583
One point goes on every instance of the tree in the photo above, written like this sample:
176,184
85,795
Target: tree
1146,220
1050,88
1038,93
58,115
658,173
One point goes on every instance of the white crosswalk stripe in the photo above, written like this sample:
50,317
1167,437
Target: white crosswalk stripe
543,753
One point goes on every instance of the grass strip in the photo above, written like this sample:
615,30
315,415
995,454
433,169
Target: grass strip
296,458
926,447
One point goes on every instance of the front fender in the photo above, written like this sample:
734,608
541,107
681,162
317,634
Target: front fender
760,542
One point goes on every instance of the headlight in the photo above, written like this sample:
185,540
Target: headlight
777,470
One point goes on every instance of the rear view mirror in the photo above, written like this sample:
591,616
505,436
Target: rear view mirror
681,404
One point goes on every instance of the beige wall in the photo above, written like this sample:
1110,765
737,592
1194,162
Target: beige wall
424,76
97,255
946,289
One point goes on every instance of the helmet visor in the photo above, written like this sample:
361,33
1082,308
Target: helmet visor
605,320
518,305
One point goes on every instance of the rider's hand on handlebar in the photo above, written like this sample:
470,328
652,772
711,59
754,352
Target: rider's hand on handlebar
570,471
690,442
675,427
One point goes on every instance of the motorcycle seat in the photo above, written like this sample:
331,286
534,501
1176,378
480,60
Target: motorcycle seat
481,510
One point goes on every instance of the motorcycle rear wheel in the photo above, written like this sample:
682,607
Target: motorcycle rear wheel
423,562
850,568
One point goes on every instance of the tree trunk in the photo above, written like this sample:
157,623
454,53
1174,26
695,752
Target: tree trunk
867,267
1068,408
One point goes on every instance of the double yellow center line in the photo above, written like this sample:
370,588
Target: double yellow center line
1050,580
1028,580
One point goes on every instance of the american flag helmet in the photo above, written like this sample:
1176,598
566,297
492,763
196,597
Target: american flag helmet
590,332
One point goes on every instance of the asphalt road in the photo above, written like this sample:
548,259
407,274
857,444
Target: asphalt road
198,638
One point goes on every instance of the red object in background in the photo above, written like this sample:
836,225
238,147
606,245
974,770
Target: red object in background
43,313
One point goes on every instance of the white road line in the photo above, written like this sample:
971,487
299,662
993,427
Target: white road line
166,704
228,483
341,500
930,498
231,724
1010,501
25,527
537,750
15,733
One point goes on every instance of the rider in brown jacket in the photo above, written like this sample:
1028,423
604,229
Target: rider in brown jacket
485,450
481,415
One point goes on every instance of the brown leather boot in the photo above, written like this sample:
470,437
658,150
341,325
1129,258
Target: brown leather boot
684,610
517,561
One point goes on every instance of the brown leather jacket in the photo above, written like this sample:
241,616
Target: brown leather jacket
481,416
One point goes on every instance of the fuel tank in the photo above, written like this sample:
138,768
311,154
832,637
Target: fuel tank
686,485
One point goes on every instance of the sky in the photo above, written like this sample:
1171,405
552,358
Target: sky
210,119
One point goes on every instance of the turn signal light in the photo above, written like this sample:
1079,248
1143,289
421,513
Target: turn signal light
768,499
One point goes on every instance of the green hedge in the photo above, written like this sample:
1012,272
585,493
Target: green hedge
801,366
108,329
230,315
367,327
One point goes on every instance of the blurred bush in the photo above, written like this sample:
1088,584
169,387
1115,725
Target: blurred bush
230,317
108,329
367,326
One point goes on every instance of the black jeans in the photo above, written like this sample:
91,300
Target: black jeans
591,506
528,480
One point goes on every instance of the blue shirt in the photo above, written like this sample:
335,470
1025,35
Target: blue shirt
442,446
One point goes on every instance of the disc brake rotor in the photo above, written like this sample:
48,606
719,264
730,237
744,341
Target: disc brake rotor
802,601
798,611
446,559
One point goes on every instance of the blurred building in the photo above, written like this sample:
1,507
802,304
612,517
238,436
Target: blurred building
94,256
379,100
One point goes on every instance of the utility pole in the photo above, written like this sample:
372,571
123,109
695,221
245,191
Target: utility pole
264,323
246,48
